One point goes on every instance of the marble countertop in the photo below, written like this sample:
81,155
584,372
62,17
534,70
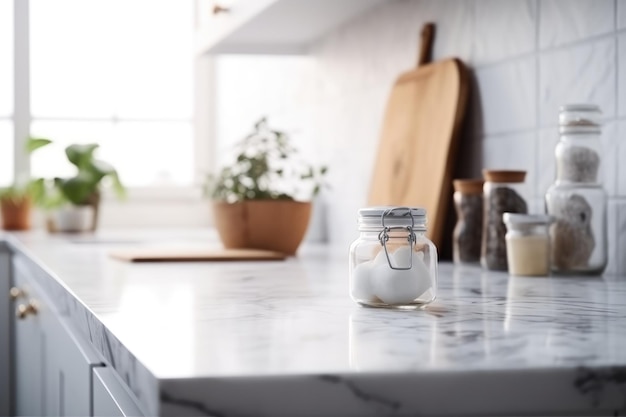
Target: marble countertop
195,337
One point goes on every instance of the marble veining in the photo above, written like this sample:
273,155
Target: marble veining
197,338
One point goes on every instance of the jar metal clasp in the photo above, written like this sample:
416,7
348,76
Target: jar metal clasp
383,236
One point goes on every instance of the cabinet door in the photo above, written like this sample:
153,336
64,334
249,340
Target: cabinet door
5,328
52,362
28,351
110,396
68,365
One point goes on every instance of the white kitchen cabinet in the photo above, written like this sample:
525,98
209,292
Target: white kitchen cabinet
270,26
5,328
52,366
111,397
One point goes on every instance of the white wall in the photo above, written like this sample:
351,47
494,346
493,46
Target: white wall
527,57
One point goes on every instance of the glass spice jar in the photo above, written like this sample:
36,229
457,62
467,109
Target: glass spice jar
467,235
577,200
502,193
392,263
527,244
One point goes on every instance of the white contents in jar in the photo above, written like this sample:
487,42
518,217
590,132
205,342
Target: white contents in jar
528,255
395,286
361,287
361,282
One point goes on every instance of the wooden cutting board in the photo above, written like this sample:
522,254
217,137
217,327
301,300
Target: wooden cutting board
418,143
189,254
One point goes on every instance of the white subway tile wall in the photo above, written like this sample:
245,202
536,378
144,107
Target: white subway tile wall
565,21
503,29
582,73
621,159
527,58
621,75
620,231
507,95
621,14
546,163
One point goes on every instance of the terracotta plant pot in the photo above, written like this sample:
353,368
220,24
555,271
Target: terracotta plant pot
15,213
277,225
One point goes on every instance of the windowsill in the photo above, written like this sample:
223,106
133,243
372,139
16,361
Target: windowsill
163,194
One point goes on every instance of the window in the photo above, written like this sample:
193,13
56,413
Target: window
118,73
6,92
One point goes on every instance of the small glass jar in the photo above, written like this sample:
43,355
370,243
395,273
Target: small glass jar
392,263
467,235
503,193
528,244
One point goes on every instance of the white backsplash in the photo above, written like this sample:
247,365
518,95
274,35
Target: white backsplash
527,57
580,73
621,72
576,20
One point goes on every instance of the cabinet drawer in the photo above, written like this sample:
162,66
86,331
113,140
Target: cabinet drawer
110,395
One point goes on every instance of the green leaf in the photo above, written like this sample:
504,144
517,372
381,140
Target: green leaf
32,144
37,190
263,168
118,187
81,155
76,189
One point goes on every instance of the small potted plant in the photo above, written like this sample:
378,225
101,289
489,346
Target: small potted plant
263,199
17,200
74,202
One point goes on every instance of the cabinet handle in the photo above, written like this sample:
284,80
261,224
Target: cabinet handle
16,293
23,310
217,9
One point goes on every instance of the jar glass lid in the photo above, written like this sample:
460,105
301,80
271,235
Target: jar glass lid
579,118
393,216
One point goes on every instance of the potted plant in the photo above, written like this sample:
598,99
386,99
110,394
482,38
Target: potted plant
263,199
17,200
74,202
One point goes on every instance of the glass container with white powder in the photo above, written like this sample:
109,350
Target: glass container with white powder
392,263
577,199
527,244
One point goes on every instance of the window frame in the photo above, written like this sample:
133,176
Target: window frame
202,121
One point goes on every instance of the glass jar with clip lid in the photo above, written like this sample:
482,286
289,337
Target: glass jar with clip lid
392,263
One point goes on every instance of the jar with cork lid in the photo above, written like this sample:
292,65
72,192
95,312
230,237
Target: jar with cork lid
503,193
392,263
577,200
467,235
